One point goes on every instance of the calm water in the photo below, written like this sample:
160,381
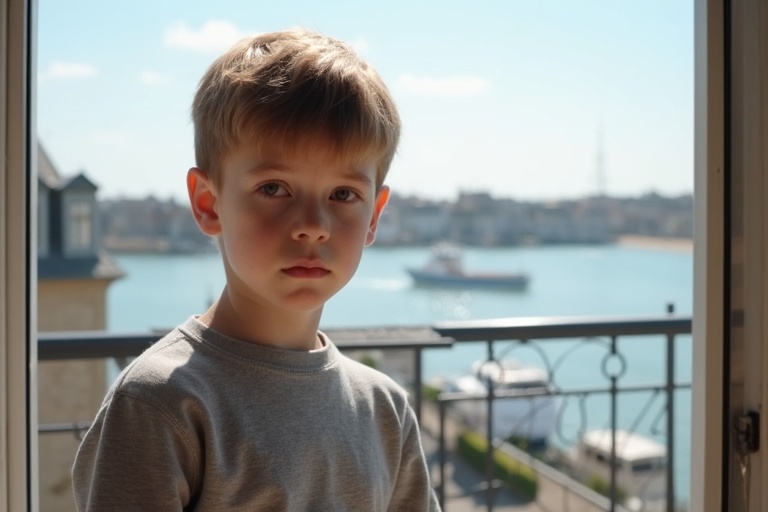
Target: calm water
162,291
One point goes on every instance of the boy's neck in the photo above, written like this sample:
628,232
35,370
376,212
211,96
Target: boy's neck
275,329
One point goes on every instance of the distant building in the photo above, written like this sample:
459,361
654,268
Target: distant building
474,219
74,273
151,225
419,222
68,229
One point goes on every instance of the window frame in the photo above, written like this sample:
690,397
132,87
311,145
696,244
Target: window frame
18,352
730,247
18,355
708,262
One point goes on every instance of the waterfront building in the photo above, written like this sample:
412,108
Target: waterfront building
74,273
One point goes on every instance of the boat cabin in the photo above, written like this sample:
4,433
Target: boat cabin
446,259
641,463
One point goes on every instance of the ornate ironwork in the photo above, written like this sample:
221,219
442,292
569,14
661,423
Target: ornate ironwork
613,366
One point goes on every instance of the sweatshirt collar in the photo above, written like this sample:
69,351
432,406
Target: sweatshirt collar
290,360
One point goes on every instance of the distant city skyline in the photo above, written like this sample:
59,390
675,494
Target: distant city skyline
156,225
552,99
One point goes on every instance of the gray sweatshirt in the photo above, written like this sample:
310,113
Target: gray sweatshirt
204,422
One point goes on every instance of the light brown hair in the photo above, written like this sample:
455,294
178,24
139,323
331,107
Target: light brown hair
290,88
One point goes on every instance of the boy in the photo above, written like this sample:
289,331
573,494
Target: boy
248,406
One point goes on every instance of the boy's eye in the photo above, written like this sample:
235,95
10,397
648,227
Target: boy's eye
343,194
272,189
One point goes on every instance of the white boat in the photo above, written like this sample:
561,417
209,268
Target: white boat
529,417
445,269
641,466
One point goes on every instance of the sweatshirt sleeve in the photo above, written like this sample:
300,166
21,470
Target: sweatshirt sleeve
413,490
135,457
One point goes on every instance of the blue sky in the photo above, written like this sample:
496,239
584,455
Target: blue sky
511,97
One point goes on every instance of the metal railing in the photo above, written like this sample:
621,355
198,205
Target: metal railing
60,346
531,333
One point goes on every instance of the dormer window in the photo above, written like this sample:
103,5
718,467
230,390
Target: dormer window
78,223
76,215
80,226
68,227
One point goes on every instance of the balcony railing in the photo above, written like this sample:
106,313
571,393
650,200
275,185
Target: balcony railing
534,333
542,337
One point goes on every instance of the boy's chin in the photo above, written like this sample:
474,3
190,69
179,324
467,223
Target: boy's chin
307,301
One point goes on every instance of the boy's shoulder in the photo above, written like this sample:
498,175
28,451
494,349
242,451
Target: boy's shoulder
367,373
193,359
157,364
371,380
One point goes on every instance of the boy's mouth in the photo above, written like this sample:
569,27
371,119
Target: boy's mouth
305,272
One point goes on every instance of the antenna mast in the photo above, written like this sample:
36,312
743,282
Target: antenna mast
600,164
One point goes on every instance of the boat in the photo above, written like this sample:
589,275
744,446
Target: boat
445,269
641,466
524,409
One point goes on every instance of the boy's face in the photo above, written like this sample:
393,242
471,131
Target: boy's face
291,226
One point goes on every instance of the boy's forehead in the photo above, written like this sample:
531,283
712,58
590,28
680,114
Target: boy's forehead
317,148
255,158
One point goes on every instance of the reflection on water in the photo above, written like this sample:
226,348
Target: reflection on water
446,304
383,284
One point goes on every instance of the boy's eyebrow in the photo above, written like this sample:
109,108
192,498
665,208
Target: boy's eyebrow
358,175
352,173
267,166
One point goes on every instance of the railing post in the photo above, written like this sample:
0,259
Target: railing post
614,414
417,383
489,425
670,422
441,454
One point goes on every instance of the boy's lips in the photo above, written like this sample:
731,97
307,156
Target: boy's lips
307,270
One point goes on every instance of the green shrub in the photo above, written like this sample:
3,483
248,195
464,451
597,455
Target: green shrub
521,478
430,393
520,442
602,486
368,360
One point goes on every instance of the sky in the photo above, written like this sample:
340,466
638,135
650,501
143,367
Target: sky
529,100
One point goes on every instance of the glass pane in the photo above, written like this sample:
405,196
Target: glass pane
551,141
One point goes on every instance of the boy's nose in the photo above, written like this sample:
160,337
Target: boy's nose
311,225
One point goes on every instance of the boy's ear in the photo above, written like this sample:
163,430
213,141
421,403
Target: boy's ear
202,199
381,201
